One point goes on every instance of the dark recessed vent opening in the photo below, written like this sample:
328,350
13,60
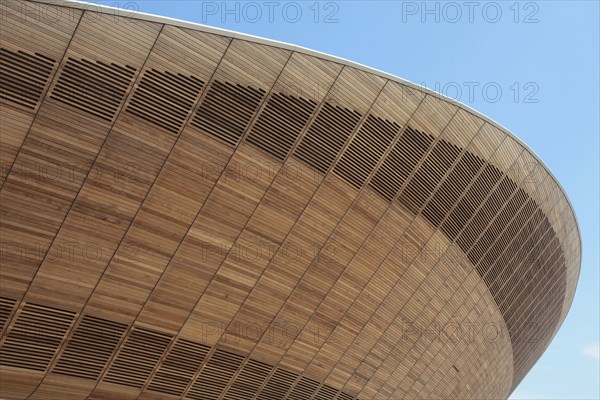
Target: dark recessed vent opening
179,367
486,213
366,149
400,163
227,109
304,389
248,381
450,190
326,392
165,99
280,383
345,396
138,357
6,308
35,336
429,175
474,196
215,375
498,218
280,123
97,88
23,76
326,136
90,348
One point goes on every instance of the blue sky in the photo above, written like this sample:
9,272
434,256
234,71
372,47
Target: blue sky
544,58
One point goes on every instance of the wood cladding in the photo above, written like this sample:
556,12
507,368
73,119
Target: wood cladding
94,87
227,110
34,337
23,76
88,351
371,186
6,307
139,355
280,124
179,368
400,163
326,136
165,99
366,149
95,341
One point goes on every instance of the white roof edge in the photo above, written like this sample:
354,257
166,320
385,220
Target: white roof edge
257,39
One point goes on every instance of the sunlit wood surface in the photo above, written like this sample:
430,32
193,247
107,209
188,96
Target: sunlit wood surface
191,215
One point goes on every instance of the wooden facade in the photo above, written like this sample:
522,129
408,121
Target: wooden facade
191,213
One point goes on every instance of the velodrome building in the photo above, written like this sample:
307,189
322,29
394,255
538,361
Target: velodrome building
193,213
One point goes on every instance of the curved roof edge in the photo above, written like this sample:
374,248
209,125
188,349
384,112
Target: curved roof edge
269,42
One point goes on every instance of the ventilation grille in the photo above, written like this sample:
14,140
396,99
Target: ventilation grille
326,392
450,190
138,357
327,136
35,336
165,99
249,380
39,331
90,348
215,375
6,308
23,76
428,176
280,123
227,109
280,383
304,389
466,207
344,396
179,367
400,163
366,149
486,213
94,87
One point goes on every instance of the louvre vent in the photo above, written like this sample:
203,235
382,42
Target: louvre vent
6,308
366,149
326,392
280,383
304,389
280,123
94,87
486,213
90,348
165,99
496,217
327,136
38,332
35,336
215,375
23,76
400,162
450,190
249,380
522,227
466,207
179,367
344,396
428,176
138,357
227,109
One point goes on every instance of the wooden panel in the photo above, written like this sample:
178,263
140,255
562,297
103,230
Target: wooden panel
200,216
70,142
132,250
33,45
